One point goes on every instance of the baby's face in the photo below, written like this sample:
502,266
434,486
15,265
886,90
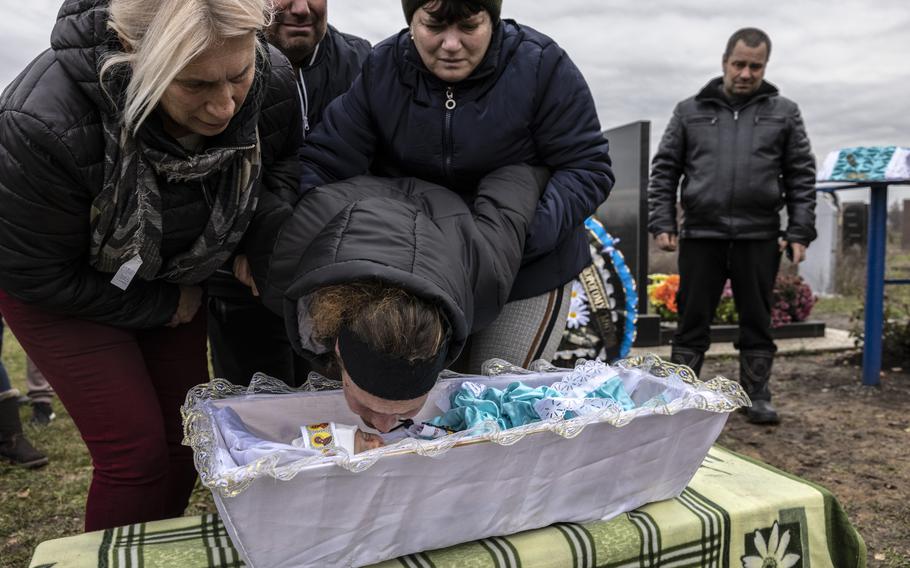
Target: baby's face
378,413
364,441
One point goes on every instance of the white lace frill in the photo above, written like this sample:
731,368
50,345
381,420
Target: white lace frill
658,388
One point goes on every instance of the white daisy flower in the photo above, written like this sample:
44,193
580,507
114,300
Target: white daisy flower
773,553
578,316
577,304
578,292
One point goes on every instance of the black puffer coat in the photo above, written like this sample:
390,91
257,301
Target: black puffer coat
739,168
408,233
525,103
52,167
337,62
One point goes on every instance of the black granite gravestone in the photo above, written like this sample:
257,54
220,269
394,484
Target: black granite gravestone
625,214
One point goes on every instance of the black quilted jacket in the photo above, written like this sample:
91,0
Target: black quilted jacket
52,167
405,232
739,168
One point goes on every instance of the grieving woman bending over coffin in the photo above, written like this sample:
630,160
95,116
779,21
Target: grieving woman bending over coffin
456,95
381,280
133,154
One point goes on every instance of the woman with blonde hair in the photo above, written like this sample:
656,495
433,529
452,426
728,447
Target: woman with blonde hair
136,153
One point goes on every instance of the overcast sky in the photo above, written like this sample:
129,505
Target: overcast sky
847,64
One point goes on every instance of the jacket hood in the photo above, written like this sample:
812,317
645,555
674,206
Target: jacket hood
408,233
712,92
373,229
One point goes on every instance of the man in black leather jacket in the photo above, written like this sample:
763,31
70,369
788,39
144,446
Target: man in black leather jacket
244,336
742,153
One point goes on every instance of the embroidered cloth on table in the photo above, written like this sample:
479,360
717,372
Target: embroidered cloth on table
866,164
518,404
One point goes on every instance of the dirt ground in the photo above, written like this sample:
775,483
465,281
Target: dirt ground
851,439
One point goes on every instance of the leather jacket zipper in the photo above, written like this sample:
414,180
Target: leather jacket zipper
733,181
209,200
447,131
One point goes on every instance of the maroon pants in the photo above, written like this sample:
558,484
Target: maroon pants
123,388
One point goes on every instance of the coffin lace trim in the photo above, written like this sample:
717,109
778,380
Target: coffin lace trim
718,395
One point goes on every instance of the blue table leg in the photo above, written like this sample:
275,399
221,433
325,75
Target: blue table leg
875,285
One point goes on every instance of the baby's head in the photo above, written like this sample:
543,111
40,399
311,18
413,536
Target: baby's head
364,441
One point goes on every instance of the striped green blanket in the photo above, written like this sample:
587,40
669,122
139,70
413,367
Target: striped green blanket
735,513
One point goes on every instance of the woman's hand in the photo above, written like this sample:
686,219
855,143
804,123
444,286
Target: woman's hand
187,306
243,273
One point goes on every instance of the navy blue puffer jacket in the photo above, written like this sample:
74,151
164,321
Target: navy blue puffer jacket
525,103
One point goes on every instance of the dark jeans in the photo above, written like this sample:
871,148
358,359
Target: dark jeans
123,389
247,338
704,267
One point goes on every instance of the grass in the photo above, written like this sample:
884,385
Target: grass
48,503
837,305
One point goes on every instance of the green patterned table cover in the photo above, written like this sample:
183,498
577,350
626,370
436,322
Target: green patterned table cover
736,512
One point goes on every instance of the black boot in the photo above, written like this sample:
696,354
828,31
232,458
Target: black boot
754,375
42,413
688,357
14,447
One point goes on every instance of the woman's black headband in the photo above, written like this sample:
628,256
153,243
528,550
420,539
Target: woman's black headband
385,376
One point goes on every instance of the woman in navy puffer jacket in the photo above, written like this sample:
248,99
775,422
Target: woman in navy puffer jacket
453,97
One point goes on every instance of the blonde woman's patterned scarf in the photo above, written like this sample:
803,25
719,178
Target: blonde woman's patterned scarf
126,214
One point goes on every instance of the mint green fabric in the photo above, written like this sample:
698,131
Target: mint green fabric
614,389
863,163
511,407
514,406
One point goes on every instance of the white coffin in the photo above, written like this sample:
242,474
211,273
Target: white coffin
422,495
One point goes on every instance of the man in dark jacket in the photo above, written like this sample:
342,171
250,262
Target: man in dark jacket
742,152
245,337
